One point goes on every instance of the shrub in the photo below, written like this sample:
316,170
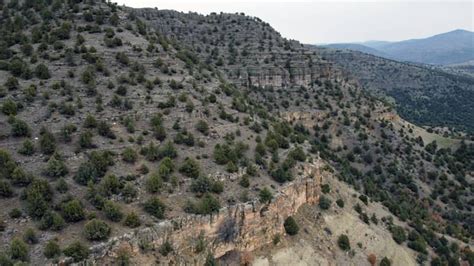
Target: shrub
52,250
280,175
42,72
385,262
112,211
132,220
166,248
27,148
110,185
206,205
62,186
56,167
90,121
19,128
77,251
343,242
96,230
324,203
202,127
398,234
265,195
291,227
85,140
47,141
155,207
340,203
15,213
154,183
6,190
73,211
5,260
9,107
190,168
20,177
244,181
52,221
166,168
129,155
104,130
325,188
30,236
19,250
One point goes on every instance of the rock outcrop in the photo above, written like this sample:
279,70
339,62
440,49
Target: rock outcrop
242,227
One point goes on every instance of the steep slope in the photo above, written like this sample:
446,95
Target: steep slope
136,127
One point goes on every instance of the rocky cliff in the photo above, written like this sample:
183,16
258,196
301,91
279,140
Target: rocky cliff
241,228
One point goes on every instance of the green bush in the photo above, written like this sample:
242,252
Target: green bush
129,155
20,177
52,221
343,242
265,195
6,190
154,183
90,121
340,203
19,250
52,250
97,230
77,251
202,127
112,211
291,227
385,262
206,205
15,213
110,185
398,234
5,260
42,72
47,141
73,211
9,107
62,186
166,168
325,188
155,207
56,167
324,203
132,220
19,128
190,168
166,248
30,236
85,140
27,148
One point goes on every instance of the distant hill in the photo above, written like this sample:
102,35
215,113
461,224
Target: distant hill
358,47
423,95
452,47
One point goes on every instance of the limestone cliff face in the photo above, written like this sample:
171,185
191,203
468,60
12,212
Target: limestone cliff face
242,227
297,75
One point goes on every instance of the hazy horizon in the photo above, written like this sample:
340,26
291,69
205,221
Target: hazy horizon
319,22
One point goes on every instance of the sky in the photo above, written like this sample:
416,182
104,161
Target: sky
325,21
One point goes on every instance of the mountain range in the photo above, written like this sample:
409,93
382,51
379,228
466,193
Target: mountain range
454,47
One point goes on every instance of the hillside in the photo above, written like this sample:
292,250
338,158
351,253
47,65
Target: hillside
141,136
454,47
425,96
